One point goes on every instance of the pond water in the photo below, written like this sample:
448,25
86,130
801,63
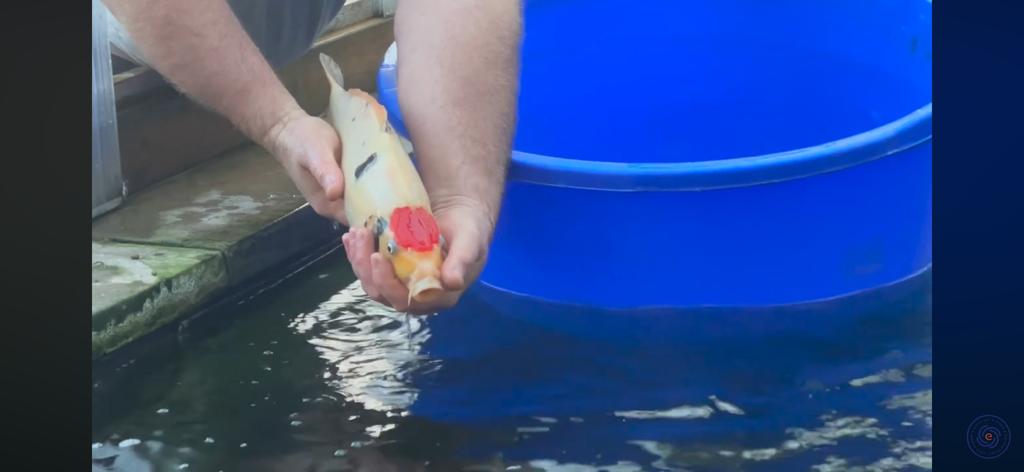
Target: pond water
311,376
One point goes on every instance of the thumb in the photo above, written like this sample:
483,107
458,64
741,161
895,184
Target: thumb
328,175
462,253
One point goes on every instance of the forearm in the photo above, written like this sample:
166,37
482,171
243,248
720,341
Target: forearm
458,82
202,49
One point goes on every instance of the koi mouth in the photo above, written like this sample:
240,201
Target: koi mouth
425,289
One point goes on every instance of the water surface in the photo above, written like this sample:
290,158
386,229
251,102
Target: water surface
311,376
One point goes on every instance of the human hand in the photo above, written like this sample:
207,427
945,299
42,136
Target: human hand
467,228
310,151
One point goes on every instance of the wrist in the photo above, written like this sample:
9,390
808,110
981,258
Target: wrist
273,132
261,107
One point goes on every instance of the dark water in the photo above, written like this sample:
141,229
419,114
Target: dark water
312,377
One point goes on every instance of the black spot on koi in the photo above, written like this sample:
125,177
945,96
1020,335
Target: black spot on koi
361,169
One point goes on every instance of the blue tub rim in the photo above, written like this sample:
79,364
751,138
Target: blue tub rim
891,138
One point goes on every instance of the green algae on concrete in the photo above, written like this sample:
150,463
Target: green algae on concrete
138,288
195,236
241,204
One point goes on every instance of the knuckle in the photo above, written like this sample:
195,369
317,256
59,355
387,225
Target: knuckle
318,173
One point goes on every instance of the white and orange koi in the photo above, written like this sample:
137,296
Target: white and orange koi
383,190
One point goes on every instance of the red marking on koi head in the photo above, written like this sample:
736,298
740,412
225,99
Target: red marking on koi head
414,228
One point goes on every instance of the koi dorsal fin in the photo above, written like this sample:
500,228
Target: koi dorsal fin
332,70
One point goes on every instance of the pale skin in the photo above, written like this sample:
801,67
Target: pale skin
458,83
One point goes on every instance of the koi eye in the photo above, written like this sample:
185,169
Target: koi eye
392,248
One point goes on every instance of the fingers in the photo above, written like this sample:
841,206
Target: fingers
334,210
328,174
359,247
390,287
309,149
373,270
311,188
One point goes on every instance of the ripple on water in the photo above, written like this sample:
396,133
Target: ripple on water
888,375
908,455
679,412
129,442
833,430
836,429
918,404
551,465
726,406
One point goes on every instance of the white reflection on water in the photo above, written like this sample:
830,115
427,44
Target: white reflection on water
370,349
141,456
679,412
903,453
918,404
551,465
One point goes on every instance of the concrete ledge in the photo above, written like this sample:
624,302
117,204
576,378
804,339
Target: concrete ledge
204,232
137,288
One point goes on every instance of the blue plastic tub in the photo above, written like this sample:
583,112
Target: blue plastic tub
714,153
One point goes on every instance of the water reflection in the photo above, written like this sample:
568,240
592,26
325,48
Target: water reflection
141,456
371,351
902,450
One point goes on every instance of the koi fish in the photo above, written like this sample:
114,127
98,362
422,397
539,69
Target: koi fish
383,190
